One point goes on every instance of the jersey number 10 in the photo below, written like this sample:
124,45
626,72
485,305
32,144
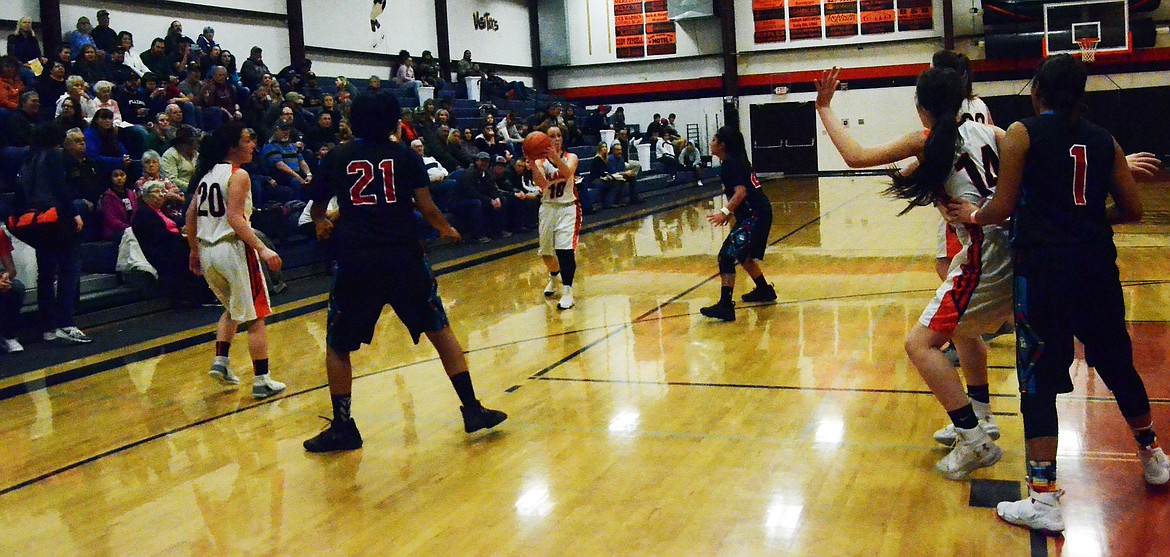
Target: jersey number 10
365,173
212,198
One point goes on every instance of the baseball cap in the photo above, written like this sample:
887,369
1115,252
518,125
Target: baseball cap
102,13
483,156
501,160
82,19
293,96
282,125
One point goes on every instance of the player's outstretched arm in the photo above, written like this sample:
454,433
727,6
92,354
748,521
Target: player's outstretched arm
238,188
855,154
426,206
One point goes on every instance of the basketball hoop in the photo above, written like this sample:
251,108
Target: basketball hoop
1088,49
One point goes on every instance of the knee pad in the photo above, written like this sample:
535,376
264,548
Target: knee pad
1039,411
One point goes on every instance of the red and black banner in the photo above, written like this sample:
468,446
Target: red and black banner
915,15
660,38
770,20
877,16
841,18
804,19
629,28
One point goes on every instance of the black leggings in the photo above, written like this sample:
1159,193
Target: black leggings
567,259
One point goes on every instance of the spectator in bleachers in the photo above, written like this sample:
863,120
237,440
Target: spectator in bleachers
624,175
132,59
314,95
509,134
20,123
23,44
228,61
104,38
254,68
152,171
573,135
442,118
77,90
43,186
551,117
209,61
300,69
180,161
159,137
479,183
345,89
132,102
103,144
11,297
468,147
166,249
487,142
691,159
219,101
619,118
206,41
464,67
288,111
406,131
469,198
178,118
596,121
285,164
191,86
374,85
429,72
655,125
321,133
597,178
329,105
178,60
155,59
435,144
117,207
87,65
512,207
50,87
441,188
80,36
103,98
114,68
174,37
64,54
517,181
10,84
69,118
424,117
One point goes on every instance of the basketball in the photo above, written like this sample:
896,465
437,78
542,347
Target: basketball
536,145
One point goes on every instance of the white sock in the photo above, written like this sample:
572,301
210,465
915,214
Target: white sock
221,360
982,409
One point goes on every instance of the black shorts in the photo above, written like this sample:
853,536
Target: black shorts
358,296
748,240
1062,292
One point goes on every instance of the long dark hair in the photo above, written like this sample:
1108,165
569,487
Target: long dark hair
215,148
957,61
734,146
1060,84
940,93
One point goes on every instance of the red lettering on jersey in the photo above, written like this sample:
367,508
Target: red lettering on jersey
1080,157
756,181
365,171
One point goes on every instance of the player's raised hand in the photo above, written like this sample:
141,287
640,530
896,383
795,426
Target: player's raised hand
826,86
271,259
1143,165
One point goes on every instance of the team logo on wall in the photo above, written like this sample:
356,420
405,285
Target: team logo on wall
643,28
485,22
778,21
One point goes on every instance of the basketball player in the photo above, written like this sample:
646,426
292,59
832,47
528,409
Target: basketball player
1057,172
957,159
559,219
748,240
226,252
378,184
375,25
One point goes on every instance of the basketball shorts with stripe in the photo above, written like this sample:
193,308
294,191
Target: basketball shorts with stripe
976,296
559,226
232,271
947,245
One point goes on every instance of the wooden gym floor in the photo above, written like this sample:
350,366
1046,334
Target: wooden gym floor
637,427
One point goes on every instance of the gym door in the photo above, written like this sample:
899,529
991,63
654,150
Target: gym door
784,137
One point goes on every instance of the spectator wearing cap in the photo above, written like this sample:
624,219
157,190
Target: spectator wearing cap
115,67
254,68
80,36
479,185
219,101
487,142
104,37
155,59
289,110
508,134
206,41
314,95
286,165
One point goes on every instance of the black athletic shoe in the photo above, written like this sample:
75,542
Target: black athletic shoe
765,293
339,436
481,418
721,310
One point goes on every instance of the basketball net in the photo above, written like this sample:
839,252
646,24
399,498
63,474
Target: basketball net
1088,49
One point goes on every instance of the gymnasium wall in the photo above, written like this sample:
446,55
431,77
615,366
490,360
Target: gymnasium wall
505,40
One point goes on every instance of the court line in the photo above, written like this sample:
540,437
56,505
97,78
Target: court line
748,386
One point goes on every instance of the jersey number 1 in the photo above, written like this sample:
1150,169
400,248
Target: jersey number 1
365,172
1080,159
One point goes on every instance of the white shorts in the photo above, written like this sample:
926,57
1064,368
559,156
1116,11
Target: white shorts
233,272
560,224
947,245
976,297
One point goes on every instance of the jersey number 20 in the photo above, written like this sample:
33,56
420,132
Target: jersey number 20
211,196
365,173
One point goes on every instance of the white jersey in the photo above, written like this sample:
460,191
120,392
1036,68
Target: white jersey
974,174
211,196
975,109
560,191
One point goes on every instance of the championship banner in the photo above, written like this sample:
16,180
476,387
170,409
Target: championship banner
915,15
841,18
660,38
629,28
771,25
877,16
804,19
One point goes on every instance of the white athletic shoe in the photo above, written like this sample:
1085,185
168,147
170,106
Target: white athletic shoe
946,436
551,289
73,334
265,387
973,450
224,374
11,345
1040,512
48,336
566,298
1155,465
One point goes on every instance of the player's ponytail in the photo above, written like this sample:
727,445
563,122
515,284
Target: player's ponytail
734,146
940,93
215,147
1060,84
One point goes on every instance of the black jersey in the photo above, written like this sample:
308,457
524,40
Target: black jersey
1068,175
737,174
374,183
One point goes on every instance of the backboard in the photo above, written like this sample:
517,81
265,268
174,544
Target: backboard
1065,23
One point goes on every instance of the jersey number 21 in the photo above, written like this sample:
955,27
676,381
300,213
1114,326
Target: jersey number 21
364,170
